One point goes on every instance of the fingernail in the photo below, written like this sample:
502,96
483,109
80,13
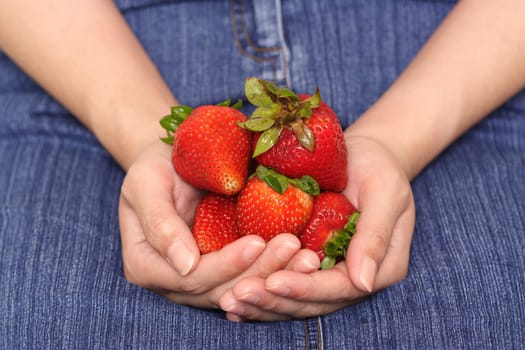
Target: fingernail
279,289
306,264
368,273
252,251
180,257
286,250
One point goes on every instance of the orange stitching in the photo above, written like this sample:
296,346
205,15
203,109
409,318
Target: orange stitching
306,334
247,37
238,41
251,45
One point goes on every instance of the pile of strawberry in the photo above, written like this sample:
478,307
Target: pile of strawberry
280,170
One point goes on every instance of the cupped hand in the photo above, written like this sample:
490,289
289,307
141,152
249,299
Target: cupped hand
155,212
377,256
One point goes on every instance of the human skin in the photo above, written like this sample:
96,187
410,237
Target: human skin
465,70
470,65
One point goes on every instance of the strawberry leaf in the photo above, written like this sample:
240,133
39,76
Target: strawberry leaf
257,92
172,121
276,181
267,140
227,103
305,136
328,262
258,124
267,111
237,105
351,224
338,243
306,184
181,111
168,139
268,85
315,100
169,123
285,92
305,111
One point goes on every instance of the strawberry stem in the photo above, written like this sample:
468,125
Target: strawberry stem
278,108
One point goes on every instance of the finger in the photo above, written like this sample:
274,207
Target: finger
143,265
222,266
249,300
153,203
240,311
395,264
150,270
304,261
332,285
275,256
380,207
215,269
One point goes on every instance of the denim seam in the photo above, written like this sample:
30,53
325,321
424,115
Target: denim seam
285,51
246,35
248,42
237,39
319,333
306,335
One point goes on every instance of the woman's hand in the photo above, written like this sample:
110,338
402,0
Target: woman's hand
377,256
158,249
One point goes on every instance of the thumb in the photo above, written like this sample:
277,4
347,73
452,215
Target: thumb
153,204
370,244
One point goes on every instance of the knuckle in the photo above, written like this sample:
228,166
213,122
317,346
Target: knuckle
379,239
213,298
192,285
156,229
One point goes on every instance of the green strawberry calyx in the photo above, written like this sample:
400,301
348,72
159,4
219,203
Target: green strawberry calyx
337,245
178,115
278,108
279,182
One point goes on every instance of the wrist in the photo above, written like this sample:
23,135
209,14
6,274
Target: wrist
415,129
126,129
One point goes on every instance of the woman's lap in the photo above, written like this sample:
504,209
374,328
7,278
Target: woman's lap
60,268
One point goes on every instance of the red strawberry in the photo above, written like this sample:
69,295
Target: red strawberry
210,151
214,224
330,227
297,135
271,204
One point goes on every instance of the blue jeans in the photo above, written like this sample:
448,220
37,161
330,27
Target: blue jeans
61,280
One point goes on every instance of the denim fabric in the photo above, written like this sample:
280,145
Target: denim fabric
61,281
